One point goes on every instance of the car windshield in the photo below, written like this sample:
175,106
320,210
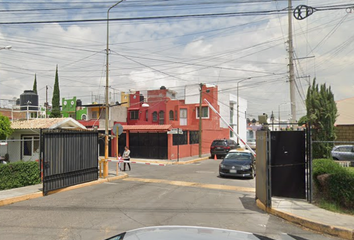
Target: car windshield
219,143
238,156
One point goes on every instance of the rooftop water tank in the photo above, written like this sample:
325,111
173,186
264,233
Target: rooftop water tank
29,98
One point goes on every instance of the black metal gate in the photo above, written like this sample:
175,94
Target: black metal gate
145,145
288,163
68,158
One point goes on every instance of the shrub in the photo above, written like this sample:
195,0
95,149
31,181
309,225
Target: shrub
324,166
339,186
19,174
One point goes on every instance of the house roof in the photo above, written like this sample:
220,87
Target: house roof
47,123
147,127
345,112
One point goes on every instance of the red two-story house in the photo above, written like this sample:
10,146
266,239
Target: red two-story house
151,130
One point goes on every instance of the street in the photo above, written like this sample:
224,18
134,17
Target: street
190,194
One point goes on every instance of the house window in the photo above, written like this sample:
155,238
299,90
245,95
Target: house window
147,115
205,112
161,117
183,117
30,144
154,116
171,115
180,139
134,115
83,117
193,137
94,115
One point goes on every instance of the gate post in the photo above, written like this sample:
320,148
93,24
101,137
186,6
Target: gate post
263,187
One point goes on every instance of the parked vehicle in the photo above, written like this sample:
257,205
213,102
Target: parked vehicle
238,163
343,152
252,144
185,233
220,147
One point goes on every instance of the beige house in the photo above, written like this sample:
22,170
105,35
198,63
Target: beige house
345,120
23,144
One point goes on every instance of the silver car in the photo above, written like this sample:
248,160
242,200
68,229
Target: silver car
343,152
185,233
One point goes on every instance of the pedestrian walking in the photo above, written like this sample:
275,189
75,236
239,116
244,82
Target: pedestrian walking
126,157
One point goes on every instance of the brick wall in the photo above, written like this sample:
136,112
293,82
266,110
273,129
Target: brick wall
345,132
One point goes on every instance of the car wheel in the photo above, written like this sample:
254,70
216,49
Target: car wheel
220,176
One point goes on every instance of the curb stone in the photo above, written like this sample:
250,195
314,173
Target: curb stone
341,232
38,194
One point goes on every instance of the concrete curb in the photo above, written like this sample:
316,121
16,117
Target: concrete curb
169,162
190,161
341,232
9,201
38,194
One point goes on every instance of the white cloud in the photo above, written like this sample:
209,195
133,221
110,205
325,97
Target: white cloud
147,54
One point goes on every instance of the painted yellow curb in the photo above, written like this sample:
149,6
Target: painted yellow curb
167,162
192,184
190,161
341,232
20,198
9,201
99,181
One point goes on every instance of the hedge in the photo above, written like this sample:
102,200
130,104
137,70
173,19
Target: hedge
339,186
19,174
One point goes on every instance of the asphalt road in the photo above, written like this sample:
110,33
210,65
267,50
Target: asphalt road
153,195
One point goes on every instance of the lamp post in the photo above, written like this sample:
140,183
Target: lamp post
105,165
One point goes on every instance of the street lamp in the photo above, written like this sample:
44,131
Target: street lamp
105,166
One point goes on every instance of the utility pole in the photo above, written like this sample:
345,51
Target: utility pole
200,119
105,164
291,64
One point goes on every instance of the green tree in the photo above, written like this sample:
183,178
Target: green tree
56,97
5,127
35,84
321,115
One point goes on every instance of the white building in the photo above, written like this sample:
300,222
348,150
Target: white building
228,110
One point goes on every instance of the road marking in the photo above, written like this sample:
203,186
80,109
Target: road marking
205,172
192,184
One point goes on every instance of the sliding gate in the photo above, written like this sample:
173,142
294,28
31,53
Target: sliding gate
68,158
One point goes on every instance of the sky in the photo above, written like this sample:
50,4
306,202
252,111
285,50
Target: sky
176,43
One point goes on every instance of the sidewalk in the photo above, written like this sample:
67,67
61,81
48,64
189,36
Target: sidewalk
301,212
